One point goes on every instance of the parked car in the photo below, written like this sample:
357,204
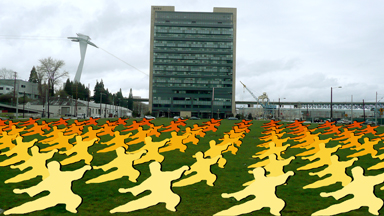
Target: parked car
194,118
370,122
232,118
178,117
343,121
149,117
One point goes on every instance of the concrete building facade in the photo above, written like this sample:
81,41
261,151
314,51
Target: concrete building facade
192,62
30,89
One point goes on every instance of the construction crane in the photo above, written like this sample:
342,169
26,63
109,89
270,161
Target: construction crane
266,107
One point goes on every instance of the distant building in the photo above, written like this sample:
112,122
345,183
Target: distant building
192,62
30,88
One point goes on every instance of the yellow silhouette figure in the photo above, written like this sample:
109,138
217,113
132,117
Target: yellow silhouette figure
233,134
324,154
271,135
124,164
139,136
60,142
192,135
154,130
38,164
362,189
21,151
6,140
352,141
264,189
35,129
274,167
315,145
273,149
217,150
91,134
51,136
175,142
345,134
307,139
59,185
74,129
152,149
202,167
14,130
116,142
81,150
367,147
234,141
337,171
159,183
108,129
275,139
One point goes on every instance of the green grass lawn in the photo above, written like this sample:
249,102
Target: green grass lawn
199,198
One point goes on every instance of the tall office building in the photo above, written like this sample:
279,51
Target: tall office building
192,62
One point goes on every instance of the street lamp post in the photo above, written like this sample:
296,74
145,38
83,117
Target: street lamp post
278,114
331,104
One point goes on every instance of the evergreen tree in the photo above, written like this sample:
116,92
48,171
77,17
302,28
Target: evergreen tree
33,76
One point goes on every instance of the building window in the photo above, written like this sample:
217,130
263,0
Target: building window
22,86
1,88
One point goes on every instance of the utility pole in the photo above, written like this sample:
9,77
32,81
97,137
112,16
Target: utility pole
24,105
213,98
376,110
364,110
14,90
351,109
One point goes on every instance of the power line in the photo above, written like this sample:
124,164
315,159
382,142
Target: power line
123,61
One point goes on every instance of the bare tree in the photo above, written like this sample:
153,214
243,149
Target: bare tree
7,74
50,70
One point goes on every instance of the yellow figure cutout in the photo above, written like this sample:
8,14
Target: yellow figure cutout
60,142
273,149
38,164
91,134
217,150
152,149
202,167
233,134
6,140
264,189
367,147
362,189
154,130
116,142
59,185
234,141
159,183
51,136
14,130
139,136
36,129
275,139
175,142
337,171
274,167
324,154
21,151
192,135
315,145
345,134
270,136
81,150
74,129
352,141
306,140
124,164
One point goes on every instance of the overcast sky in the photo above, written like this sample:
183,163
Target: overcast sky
296,50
